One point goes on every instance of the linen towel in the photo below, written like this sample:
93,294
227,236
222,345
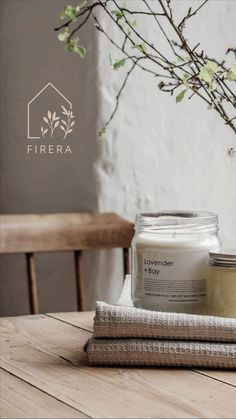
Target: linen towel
124,335
120,321
150,352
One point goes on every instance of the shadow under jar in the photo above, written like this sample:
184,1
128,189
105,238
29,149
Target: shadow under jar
169,260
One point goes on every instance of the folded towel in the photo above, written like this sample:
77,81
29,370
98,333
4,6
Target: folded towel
119,322
150,352
130,336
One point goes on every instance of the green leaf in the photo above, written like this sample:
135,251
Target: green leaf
180,96
72,45
116,64
63,35
207,71
69,47
141,47
81,6
212,86
186,77
70,12
212,65
206,75
231,75
119,63
133,22
81,51
102,134
117,13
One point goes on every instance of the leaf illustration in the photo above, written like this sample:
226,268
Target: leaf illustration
70,130
64,109
54,116
58,117
56,124
45,131
45,119
49,115
63,129
42,130
64,122
72,123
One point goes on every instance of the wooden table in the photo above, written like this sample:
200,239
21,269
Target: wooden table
45,374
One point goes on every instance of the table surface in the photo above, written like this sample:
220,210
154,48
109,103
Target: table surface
45,374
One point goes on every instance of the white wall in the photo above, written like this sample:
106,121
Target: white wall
158,154
162,155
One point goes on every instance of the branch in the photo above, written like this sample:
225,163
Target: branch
120,92
81,13
100,28
189,15
185,72
134,12
80,25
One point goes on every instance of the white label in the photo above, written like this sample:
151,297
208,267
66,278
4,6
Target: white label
174,276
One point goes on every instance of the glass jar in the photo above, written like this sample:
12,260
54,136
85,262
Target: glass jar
221,283
169,260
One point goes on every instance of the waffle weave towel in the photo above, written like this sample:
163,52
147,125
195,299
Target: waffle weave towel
153,352
120,322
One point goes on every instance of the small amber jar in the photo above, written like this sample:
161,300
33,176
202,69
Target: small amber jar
221,284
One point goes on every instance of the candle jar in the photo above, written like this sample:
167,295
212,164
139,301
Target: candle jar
221,284
169,260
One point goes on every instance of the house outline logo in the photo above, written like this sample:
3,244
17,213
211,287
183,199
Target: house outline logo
51,119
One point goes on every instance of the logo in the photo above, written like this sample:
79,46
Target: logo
50,122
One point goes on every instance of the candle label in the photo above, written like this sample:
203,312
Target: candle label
174,276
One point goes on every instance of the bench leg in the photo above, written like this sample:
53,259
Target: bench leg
79,280
32,284
126,261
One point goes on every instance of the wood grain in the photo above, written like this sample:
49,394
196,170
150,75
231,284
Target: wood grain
48,354
228,377
21,400
85,321
30,233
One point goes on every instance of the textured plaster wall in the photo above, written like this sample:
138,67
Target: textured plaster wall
162,155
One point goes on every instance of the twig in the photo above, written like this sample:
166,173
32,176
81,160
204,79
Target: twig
120,92
189,15
134,12
81,13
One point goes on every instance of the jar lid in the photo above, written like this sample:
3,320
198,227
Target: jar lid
224,258
182,222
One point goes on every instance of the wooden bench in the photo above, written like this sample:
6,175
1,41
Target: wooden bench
76,232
